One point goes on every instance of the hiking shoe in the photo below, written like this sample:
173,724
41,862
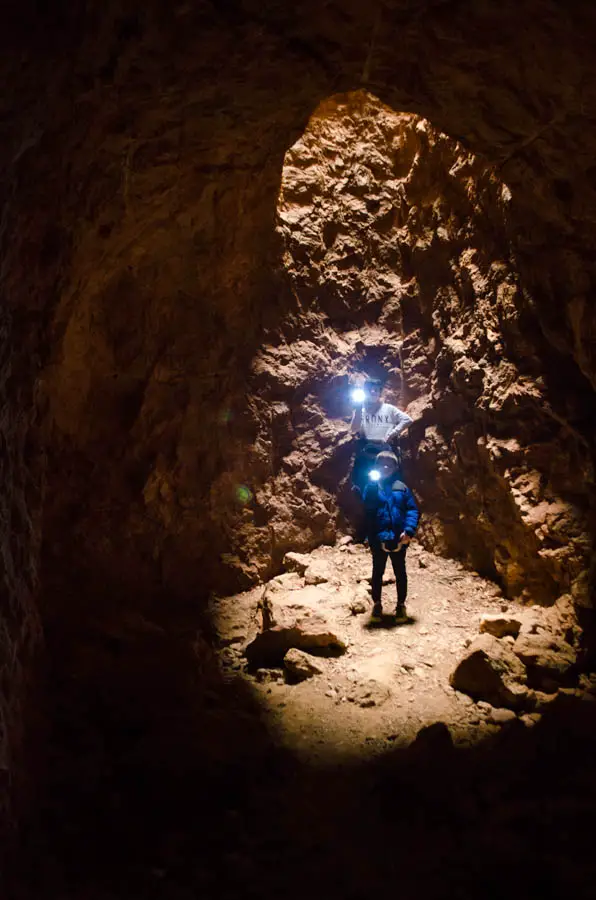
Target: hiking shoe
377,613
400,613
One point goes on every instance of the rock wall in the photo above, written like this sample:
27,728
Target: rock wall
401,257
142,146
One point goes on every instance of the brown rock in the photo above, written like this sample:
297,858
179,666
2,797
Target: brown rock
297,562
501,716
292,619
317,572
548,659
499,626
491,671
300,665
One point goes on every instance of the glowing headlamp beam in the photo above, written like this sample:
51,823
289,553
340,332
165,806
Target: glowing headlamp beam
374,474
358,395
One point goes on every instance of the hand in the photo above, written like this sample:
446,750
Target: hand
404,539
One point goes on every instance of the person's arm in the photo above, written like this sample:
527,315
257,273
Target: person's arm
411,520
403,422
356,423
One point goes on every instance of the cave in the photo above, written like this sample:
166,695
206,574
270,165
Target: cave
213,216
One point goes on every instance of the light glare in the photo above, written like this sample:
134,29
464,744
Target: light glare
374,474
358,395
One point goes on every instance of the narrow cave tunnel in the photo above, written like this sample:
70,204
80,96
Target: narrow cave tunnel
197,259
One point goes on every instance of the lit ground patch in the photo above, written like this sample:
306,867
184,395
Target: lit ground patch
392,680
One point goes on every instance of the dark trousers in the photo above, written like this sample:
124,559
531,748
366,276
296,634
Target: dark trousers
398,561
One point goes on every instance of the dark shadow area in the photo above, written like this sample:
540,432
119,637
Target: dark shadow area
388,621
511,816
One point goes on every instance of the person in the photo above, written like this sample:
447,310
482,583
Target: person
375,424
392,519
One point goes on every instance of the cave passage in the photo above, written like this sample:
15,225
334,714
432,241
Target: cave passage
217,717
393,244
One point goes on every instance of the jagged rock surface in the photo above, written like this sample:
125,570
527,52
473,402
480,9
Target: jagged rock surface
491,671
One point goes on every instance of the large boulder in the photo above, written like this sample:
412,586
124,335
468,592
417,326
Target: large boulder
491,671
293,619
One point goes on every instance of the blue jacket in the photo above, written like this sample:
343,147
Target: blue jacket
390,509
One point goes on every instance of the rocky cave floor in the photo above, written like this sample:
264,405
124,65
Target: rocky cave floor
372,775
391,680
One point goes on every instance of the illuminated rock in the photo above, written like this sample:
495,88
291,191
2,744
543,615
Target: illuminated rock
293,619
491,671
500,626
300,665
548,659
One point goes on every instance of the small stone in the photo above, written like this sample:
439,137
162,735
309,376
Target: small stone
499,626
530,719
504,607
422,564
300,665
346,539
509,639
502,716
263,676
330,694
484,706
423,630
317,573
464,699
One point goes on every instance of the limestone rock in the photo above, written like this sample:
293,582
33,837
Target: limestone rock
292,619
360,601
491,671
499,626
501,716
300,665
548,659
318,572
297,562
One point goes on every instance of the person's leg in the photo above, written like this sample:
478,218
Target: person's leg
379,561
398,561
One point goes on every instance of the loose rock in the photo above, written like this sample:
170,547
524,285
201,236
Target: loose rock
297,562
547,659
491,671
501,716
499,626
317,573
300,665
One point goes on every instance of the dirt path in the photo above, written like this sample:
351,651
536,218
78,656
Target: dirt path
393,680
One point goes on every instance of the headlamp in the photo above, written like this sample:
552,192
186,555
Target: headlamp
358,395
374,475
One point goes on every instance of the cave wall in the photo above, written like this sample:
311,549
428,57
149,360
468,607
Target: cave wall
141,153
400,249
